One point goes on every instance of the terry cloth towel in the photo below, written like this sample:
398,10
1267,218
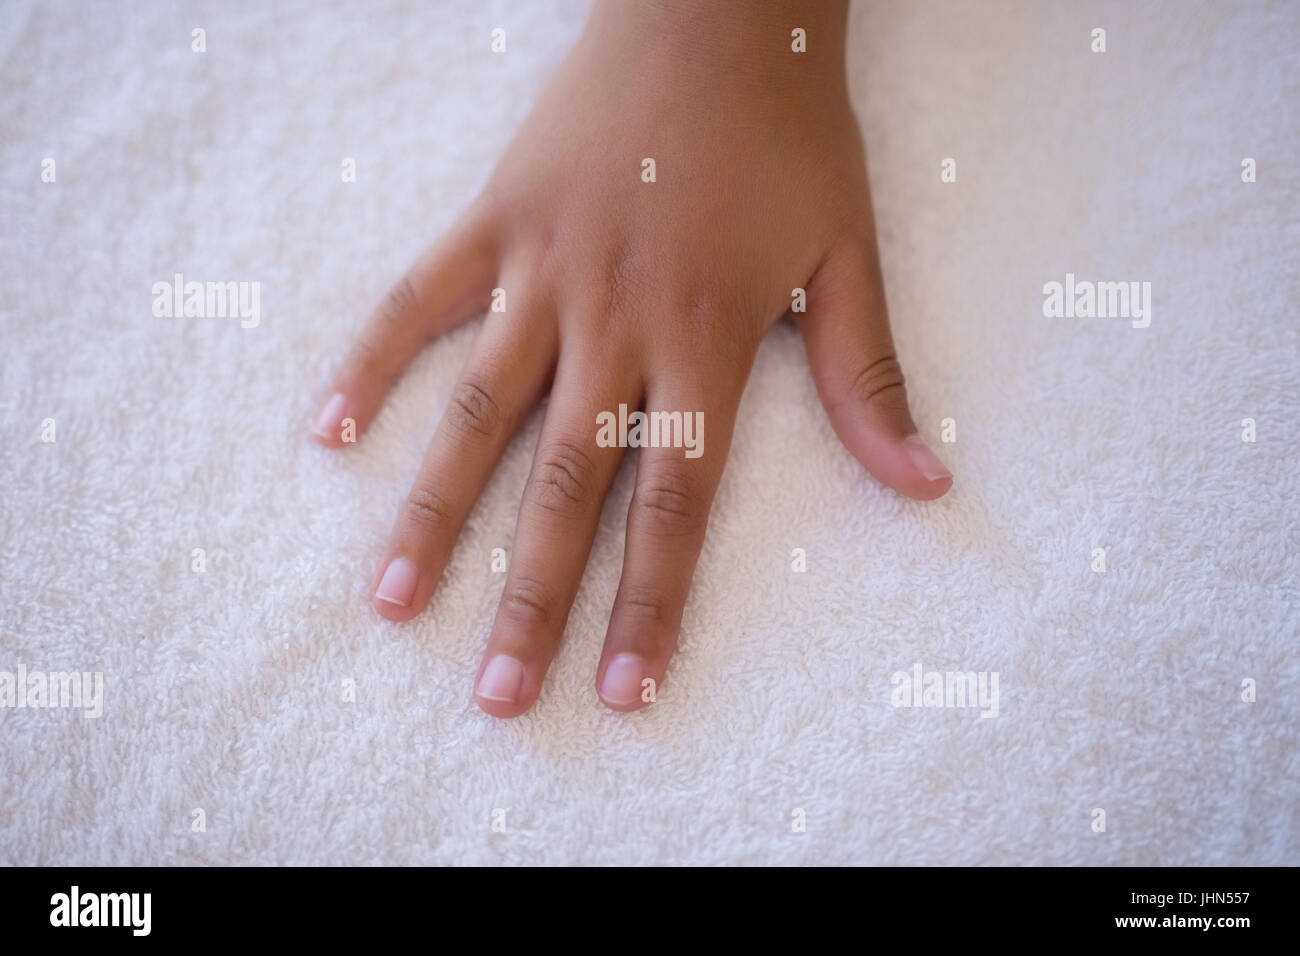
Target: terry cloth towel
1160,692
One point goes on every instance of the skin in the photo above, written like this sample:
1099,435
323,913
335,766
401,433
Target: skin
654,295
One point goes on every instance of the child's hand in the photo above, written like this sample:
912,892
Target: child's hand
647,294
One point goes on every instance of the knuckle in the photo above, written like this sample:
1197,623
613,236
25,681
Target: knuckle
368,362
713,320
699,308
648,603
880,382
564,479
527,601
668,503
397,301
428,510
473,411
623,279
704,307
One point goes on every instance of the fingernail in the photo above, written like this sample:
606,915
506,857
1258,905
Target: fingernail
398,583
622,683
926,461
501,679
330,418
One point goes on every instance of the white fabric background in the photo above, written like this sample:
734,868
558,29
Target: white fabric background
1118,691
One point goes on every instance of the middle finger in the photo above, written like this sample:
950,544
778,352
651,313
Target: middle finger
557,523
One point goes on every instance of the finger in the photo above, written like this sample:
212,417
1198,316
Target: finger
449,283
503,379
851,354
557,522
665,531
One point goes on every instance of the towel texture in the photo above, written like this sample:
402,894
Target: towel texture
259,711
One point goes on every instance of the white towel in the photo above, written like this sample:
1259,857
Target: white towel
1124,730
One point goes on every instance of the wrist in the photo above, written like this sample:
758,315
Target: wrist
724,43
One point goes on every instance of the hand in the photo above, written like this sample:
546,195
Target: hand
654,295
